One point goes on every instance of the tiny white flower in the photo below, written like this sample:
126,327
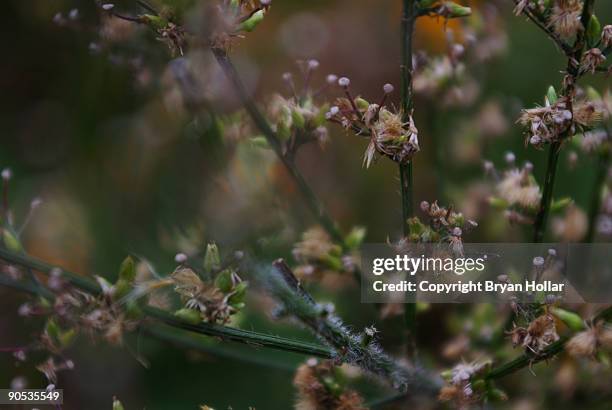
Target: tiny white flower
331,78
344,82
388,88
180,258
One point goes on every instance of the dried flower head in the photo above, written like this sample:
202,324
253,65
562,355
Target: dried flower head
592,59
518,187
588,342
319,386
539,334
565,17
391,133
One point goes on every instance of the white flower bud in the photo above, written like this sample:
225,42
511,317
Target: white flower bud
388,88
538,261
7,174
287,76
344,82
313,64
180,258
510,157
528,166
552,252
535,140
108,6
457,231
73,14
331,78
36,202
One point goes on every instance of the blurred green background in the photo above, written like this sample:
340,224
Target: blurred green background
98,138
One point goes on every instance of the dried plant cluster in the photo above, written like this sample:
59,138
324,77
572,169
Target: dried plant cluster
206,294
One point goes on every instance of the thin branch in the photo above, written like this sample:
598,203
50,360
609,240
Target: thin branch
261,123
535,19
358,349
409,16
573,70
223,332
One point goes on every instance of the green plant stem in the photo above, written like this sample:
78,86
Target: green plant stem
549,183
553,349
222,332
595,205
261,123
409,16
573,70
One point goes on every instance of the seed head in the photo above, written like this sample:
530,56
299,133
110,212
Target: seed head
606,36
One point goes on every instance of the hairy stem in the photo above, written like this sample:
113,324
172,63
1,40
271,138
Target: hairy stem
222,332
358,349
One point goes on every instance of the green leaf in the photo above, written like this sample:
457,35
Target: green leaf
10,241
551,95
355,237
252,22
593,33
457,10
560,204
239,294
571,319
212,260
127,270
117,404
224,282
189,315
